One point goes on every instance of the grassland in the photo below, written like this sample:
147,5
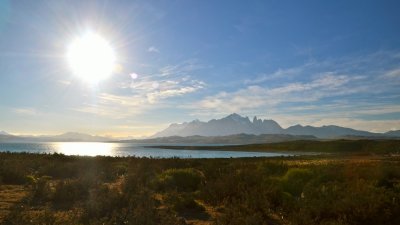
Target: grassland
326,189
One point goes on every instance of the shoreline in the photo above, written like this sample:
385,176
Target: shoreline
303,146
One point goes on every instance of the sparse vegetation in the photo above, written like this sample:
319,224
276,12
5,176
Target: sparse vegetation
187,179
329,189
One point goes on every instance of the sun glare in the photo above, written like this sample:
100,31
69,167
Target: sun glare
91,58
85,148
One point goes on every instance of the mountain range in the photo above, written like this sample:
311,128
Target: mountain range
236,124
232,129
232,124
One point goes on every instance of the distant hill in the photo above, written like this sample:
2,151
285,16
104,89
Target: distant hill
66,137
327,131
230,139
78,137
2,132
9,138
236,124
393,133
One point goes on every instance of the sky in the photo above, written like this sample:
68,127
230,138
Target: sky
296,62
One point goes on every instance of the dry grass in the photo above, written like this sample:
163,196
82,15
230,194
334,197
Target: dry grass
10,195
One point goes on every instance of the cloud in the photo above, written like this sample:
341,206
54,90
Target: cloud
392,74
257,97
278,74
115,106
156,89
26,111
65,82
170,81
182,69
146,92
173,89
147,96
153,49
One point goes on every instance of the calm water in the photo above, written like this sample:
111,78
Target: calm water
124,149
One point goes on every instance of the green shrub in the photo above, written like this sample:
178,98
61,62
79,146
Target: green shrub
295,179
183,202
187,179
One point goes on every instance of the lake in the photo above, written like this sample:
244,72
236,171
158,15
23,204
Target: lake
125,149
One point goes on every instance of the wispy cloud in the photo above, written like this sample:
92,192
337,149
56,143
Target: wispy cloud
115,106
182,69
153,49
278,74
154,89
254,97
65,82
146,92
170,81
392,74
26,111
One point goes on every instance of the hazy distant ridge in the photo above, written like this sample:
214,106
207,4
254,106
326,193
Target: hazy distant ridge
2,132
66,137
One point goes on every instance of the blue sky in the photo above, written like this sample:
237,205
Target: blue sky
308,62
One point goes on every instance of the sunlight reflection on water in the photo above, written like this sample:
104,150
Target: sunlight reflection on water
126,149
85,148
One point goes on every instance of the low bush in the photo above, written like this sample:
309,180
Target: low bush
68,192
295,179
187,179
41,191
183,202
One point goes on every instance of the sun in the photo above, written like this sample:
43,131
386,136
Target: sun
91,58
